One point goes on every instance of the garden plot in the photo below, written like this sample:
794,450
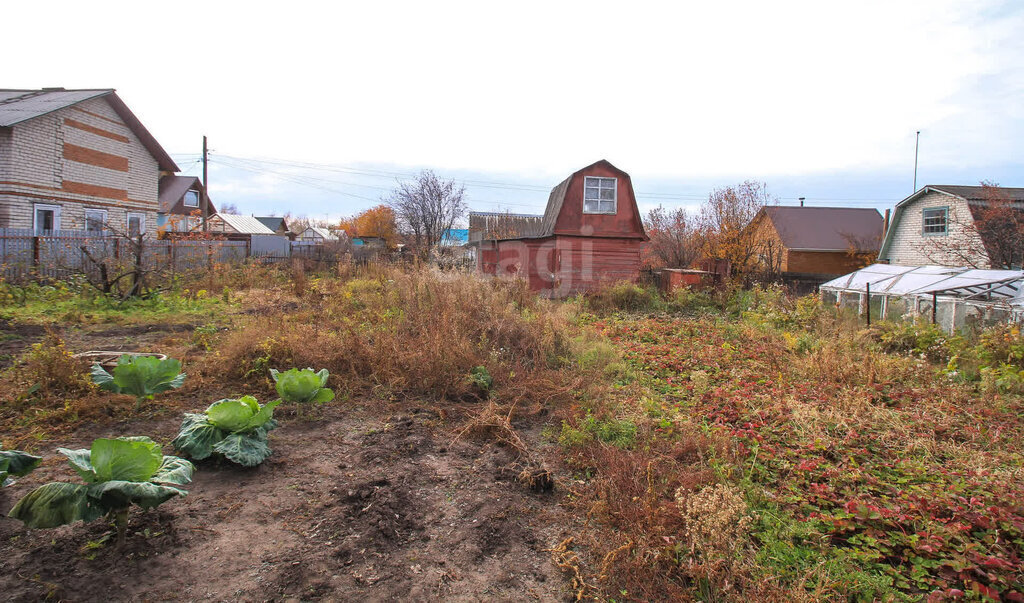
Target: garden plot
352,505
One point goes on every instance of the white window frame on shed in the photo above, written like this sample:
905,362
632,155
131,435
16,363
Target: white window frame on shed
128,221
99,215
45,207
593,192
191,193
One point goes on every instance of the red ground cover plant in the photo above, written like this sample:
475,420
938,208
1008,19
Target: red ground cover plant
909,479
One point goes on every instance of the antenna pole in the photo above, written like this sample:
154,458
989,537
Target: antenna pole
206,197
917,145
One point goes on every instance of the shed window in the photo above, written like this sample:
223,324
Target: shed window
192,199
599,195
934,220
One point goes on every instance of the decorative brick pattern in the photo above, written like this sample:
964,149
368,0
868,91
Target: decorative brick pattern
79,157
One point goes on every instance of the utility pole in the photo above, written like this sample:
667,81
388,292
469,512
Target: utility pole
206,196
917,145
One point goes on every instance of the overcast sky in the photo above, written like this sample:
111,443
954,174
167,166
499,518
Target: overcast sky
818,99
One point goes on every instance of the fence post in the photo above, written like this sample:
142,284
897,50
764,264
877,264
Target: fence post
35,251
935,298
117,247
867,309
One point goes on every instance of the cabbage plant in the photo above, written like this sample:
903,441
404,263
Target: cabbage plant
117,473
235,429
17,463
140,376
302,386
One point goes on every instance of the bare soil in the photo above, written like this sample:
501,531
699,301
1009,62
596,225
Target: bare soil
352,506
15,338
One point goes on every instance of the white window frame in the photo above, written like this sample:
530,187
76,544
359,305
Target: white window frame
185,198
103,219
925,225
600,186
45,206
128,220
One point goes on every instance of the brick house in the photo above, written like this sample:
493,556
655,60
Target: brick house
935,225
77,160
820,241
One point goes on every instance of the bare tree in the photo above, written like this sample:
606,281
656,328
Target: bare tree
229,208
427,208
676,240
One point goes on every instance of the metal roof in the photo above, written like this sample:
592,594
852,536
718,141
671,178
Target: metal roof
322,232
244,224
17,106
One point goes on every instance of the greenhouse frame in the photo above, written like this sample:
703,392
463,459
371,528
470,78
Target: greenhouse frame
955,298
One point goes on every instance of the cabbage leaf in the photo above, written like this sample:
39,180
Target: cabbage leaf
17,463
139,376
234,429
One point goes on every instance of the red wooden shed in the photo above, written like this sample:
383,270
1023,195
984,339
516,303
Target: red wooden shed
591,232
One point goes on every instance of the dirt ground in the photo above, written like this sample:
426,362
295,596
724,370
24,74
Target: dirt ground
352,506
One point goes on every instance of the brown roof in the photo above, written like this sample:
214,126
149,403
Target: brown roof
977,193
826,228
173,189
528,226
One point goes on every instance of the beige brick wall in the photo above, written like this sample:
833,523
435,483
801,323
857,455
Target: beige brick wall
33,168
909,247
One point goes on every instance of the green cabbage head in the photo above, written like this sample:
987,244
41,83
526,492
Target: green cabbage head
140,376
17,463
117,474
302,386
235,429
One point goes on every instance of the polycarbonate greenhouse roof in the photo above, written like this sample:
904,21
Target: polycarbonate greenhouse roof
981,285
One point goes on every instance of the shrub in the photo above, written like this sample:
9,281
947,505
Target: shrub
49,368
416,333
625,297
617,432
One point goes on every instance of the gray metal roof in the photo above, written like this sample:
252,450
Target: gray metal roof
244,224
17,106
980,193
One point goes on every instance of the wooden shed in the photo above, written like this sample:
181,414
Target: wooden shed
590,233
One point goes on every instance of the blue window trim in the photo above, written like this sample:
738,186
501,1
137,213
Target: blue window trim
944,208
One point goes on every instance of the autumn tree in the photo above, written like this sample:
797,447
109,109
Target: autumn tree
725,218
426,208
229,208
675,238
377,221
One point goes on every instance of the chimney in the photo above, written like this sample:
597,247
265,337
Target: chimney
885,223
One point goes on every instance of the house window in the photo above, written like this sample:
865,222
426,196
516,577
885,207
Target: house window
934,220
95,221
46,218
599,195
192,199
136,224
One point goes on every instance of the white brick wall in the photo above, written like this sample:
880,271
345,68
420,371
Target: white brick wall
33,169
909,247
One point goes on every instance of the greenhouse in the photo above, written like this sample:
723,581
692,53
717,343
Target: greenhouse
951,297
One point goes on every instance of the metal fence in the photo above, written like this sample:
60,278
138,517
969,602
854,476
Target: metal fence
27,255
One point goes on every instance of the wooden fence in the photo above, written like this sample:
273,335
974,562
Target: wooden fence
26,255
